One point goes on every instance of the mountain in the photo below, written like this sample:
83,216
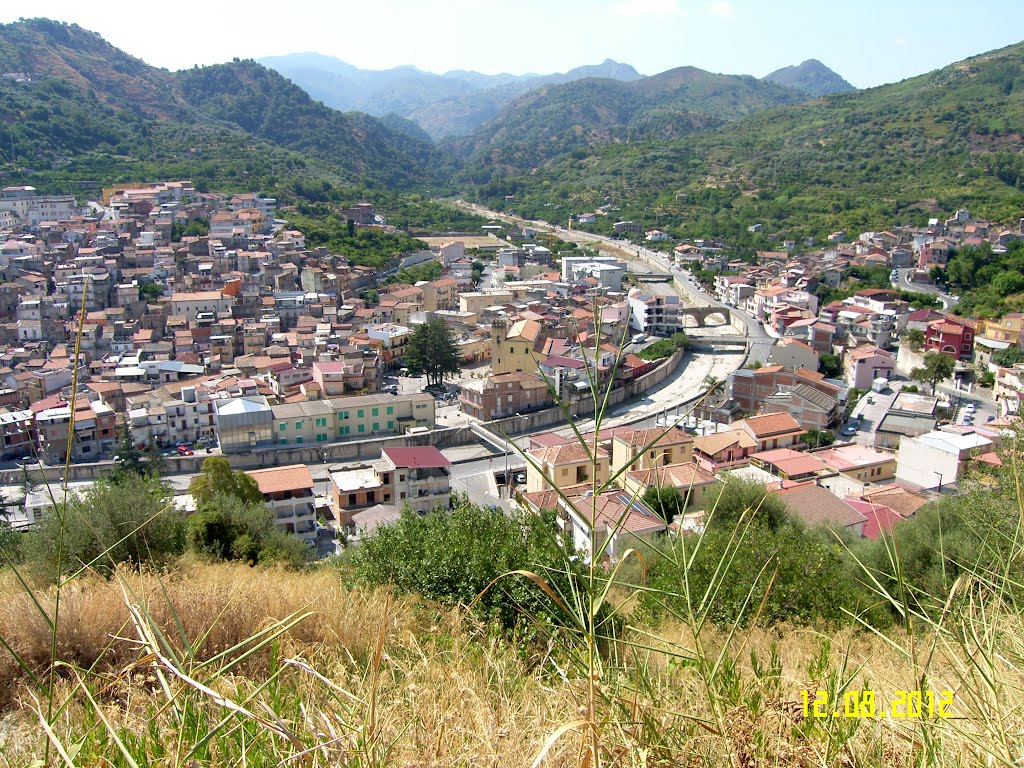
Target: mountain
811,77
91,109
453,104
556,119
857,161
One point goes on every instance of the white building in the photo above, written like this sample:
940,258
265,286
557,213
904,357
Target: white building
934,459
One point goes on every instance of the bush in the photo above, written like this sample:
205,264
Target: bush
227,528
128,519
452,556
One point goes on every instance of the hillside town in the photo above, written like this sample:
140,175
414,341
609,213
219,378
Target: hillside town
245,342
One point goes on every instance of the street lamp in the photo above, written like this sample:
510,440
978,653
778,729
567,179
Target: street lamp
939,474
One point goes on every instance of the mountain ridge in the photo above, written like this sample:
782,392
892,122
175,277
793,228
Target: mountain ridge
811,77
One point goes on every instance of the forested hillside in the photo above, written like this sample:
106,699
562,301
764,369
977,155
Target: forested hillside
900,152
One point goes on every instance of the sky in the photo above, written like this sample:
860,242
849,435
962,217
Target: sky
869,42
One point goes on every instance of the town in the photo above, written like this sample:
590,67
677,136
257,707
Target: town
193,324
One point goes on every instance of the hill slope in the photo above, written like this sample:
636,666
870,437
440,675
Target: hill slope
92,109
453,104
855,160
556,119
811,77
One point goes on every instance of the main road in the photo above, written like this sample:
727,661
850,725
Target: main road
761,343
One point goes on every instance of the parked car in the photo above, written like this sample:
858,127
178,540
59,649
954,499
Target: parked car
850,430
184,450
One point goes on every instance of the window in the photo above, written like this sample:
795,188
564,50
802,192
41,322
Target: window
376,427
362,428
321,422
282,426
298,439
351,499
375,410
391,410
298,425
391,425
359,413
321,438
344,430
343,415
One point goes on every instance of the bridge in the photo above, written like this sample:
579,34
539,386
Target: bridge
700,315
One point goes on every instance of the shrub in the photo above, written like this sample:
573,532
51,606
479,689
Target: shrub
227,528
452,556
130,518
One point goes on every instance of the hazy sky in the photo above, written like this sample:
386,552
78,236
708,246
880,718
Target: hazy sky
868,42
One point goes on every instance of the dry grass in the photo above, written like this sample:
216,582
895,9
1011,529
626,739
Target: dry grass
446,692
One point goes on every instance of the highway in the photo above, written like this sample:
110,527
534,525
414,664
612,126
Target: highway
761,343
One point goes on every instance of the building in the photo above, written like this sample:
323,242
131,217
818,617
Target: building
950,336
816,505
724,450
909,415
243,423
774,430
863,464
288,491
654,314
864,364
793,354
329,421
94,431
690,479
503,395
565,465
642,449
609,523
512,350
935,459
419,477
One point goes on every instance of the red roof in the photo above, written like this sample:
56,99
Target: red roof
880,519
425,456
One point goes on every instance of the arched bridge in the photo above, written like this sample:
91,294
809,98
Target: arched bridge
701,315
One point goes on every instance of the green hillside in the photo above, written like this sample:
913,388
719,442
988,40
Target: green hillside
899,152
91,112
553,120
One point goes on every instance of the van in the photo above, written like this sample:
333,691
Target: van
640,338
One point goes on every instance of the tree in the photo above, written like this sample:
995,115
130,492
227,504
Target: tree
830,365
665,500
227,528
131,518
150,292
432,352
915,338
1007,358
217,478
817,438
937,368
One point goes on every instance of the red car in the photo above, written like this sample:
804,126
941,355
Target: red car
184,450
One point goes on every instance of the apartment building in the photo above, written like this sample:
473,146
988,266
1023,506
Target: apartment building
418,476
94,431
288,491
654,314
328,421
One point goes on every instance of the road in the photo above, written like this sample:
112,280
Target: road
761,342
905,284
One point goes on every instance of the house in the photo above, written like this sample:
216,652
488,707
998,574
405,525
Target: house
419,477
656,236
935,459
793,354
773,388
815,505
614,521
910,415
587,218
565,465
790,465
288,491
863,364
512,350
863,464
640,449
503,395
812,408
950,336
690,479
773,430
627,227
723,450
